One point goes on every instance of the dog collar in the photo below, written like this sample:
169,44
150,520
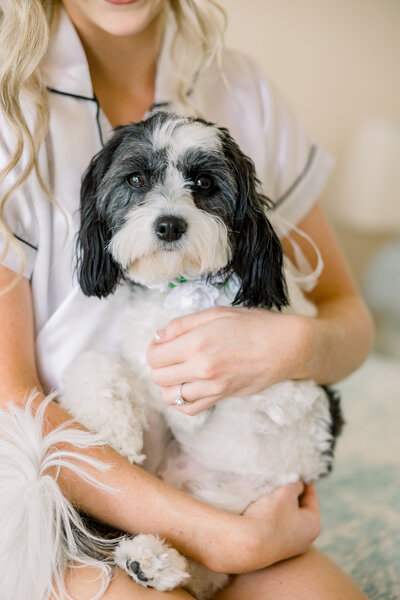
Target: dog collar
176,282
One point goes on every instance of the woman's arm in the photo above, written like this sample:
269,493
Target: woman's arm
225,351
145,504
341,336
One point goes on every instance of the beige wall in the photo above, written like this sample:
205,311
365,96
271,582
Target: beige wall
336,62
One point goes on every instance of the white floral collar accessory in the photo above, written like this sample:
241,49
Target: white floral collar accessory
182,295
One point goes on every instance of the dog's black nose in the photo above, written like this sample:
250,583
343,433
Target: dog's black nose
169,228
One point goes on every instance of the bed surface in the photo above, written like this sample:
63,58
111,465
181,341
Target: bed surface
360,500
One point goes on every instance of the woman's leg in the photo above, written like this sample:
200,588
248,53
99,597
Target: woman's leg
311,576
81,584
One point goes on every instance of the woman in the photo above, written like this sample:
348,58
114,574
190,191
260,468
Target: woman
108,64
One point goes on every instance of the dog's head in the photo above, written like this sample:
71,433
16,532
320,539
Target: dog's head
175,197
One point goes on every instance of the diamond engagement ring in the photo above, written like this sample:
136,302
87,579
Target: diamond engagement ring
179,400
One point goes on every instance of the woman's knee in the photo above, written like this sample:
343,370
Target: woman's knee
311,575
84,583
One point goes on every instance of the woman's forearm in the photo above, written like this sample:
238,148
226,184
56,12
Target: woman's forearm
274,528
143,503
336,342
340,338
221,541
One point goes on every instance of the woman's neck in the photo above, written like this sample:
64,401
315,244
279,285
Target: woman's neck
123,69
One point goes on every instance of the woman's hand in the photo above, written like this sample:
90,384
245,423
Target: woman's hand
277,526
224,351
227,351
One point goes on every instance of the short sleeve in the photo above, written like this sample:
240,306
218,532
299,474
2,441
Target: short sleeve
18,212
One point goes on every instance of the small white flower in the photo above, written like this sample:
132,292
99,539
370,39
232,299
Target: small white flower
191,296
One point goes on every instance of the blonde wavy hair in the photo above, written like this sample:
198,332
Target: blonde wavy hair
25,31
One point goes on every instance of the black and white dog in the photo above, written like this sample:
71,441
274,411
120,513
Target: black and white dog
172,206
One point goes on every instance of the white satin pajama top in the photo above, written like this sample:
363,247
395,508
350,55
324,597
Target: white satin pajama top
292,170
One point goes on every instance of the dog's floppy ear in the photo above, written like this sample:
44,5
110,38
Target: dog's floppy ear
98,273
257,257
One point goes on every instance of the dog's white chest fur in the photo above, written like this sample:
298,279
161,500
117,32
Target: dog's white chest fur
227,455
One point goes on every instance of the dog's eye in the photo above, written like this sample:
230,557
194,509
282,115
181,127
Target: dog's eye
203,182
136,180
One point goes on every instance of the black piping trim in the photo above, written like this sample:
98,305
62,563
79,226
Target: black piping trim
25,242
78,96
296,182
157,105
98,122
94,99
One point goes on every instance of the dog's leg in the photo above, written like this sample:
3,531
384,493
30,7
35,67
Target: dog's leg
151,562
101,392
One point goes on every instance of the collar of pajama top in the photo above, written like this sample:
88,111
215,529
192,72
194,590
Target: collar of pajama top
67,73
292,170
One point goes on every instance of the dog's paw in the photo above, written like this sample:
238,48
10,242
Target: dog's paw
151,562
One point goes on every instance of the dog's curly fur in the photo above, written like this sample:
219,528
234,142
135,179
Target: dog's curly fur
172,207
168,199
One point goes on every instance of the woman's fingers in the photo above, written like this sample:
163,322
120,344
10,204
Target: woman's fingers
182,336
198,396
172,376
193,391
290,492
309,498
194,408
180,325
285,495
290,515
309,517
190,367
160,355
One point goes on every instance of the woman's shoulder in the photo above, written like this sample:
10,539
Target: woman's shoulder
240,68
239,96
236,77
235,94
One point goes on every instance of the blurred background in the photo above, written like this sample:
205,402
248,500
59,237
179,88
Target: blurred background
337,64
